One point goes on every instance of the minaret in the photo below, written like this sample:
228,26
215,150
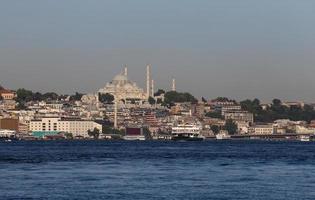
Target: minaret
148,80
125,70
115,108
152,88
173,84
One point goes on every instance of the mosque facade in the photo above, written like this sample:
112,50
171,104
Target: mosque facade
123,89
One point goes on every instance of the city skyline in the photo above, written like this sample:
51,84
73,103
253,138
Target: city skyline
243,49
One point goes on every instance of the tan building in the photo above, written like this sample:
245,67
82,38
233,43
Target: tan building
75,126
7,94
265,129
9,124
239,116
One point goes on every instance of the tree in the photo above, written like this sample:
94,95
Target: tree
230,126
24,95
38,96
204,100
216,115
68,136
215,129
51,96
159,101
95,133
76,97
159,92
177,97
1,98
106,98
151,100
276,102
251,106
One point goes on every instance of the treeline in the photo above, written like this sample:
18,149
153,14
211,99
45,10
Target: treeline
277,110
24,96
178,97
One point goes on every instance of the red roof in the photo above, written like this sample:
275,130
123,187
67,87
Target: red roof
5,91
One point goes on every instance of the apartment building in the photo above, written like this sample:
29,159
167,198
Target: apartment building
77,127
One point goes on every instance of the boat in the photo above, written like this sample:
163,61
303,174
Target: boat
134,137
188,137
223,135
304,138
187,132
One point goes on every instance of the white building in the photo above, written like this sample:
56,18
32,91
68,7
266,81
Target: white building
239,116
75,126
6,133
265,129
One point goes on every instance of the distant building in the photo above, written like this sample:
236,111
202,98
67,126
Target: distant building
198,110
7,94
239,116
230,108
264,129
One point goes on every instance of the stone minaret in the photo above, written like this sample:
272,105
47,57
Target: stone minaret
152,88
125,70
148,80
173,84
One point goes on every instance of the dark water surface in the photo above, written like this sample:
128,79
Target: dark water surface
157,170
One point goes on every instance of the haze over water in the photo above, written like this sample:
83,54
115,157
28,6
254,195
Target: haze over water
240,49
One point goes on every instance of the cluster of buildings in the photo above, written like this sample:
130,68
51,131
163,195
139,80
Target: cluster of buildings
132,116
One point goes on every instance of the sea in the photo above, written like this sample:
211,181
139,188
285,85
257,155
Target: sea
265,170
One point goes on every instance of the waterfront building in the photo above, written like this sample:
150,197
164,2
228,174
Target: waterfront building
77,127
262,129
9,124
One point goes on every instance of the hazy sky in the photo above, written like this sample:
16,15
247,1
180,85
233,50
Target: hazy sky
235,48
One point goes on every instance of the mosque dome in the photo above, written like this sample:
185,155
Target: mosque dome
120,77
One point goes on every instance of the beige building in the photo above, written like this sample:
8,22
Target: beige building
265,129
75,126
239,116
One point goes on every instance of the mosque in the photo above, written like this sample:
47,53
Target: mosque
124,89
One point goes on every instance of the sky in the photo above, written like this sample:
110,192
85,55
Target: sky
235,48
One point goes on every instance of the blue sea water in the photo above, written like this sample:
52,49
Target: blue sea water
157,170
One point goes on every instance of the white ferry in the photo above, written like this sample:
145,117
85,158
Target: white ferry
187,132
223,135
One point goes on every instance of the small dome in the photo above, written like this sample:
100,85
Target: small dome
120,77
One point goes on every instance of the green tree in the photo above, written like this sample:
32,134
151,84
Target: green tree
215,129
216,115
159,92
230,126
151,100
106,98
177,97
76,97
69,136
95,133
50,96
24,95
